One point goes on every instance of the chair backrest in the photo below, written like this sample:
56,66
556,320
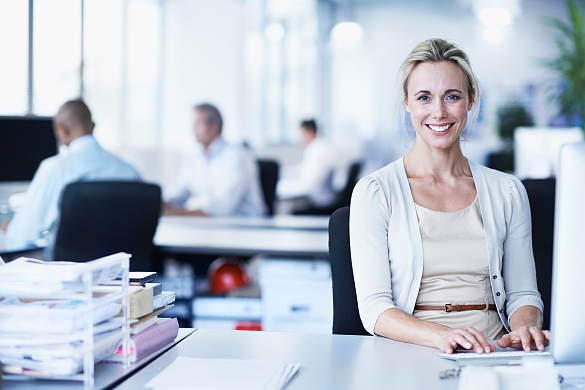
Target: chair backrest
98,218
352,177
269,172
346,318
541,195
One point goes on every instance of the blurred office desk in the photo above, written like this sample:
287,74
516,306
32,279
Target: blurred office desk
276,236
10,253
300,222
106,375
327,361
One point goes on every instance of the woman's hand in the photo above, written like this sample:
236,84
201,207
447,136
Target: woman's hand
467,338
527,333
526,338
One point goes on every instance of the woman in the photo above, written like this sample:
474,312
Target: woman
441,247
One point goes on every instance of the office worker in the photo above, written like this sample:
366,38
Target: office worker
434,229
83,160
219,179
312,183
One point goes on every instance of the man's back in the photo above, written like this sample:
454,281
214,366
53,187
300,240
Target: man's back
315,176
84,161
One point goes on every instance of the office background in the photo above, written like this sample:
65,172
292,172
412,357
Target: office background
142,64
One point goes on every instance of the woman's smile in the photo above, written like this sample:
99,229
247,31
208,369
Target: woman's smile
440,128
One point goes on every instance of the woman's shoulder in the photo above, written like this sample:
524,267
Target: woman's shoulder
385,180
496,179
385,173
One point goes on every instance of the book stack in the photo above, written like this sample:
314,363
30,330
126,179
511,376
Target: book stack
148,332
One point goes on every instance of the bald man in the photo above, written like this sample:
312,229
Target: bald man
84,160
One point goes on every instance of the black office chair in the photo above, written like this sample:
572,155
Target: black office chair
269,172
541,194
99,218
346,318
352,178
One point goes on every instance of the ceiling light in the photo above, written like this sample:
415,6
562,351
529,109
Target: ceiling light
347,32
274,32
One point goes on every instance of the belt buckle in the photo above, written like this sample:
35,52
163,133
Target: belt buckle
447,310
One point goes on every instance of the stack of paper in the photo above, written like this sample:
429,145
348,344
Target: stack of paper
46,315
194,373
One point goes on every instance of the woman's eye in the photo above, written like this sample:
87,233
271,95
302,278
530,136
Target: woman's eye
424,98
452,97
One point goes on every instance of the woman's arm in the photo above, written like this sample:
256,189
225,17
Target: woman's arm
398,325
523,299
527,333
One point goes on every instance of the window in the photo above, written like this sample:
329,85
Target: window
14,53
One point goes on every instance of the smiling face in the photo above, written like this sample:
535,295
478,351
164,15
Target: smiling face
438,103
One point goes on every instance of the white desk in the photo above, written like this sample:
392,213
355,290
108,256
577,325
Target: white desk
327,361
304,237
106,375
301,222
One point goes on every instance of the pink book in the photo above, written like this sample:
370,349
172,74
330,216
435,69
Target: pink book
148,341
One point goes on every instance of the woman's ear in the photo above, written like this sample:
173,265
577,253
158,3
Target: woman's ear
405,100
471,100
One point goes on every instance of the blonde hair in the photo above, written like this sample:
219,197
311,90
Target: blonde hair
437,50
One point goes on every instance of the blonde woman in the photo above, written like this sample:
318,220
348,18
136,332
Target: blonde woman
441,246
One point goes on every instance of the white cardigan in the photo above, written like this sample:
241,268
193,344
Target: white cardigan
387,251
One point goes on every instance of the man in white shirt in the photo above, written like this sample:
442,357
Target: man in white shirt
314,179
219,179
84,160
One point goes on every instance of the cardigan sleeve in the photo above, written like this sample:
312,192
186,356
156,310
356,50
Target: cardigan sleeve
368,228
518,269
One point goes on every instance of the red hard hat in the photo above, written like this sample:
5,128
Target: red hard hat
225,275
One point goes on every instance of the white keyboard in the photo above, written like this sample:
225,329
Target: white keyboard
498,356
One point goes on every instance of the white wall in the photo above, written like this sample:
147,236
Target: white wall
203,61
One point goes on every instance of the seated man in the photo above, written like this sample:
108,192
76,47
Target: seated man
219,179
312,186
84,160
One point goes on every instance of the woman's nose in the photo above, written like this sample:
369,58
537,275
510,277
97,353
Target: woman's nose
438,111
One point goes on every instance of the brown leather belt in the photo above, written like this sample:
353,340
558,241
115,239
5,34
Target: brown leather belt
450,307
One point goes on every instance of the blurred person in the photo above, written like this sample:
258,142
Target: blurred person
312,185
84,160
219,179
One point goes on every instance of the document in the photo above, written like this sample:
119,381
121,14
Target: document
572,375
226,374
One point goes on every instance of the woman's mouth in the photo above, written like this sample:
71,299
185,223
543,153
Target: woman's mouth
440,128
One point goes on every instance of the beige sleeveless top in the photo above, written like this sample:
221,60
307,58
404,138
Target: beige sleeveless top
455,269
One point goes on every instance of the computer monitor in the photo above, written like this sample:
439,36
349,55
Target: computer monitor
536,149
568,286
24,143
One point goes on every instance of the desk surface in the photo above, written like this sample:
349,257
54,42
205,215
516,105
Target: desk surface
327,361
301,222
106,375
304,237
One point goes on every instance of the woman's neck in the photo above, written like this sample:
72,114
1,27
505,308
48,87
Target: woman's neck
424,161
